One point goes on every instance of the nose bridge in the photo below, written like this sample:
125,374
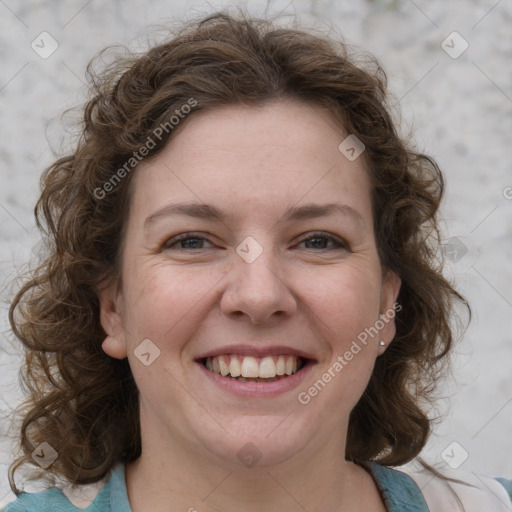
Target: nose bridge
256,287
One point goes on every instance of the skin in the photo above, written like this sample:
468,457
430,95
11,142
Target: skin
253,163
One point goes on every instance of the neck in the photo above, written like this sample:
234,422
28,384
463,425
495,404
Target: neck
315,479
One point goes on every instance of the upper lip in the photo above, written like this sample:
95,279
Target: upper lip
248,350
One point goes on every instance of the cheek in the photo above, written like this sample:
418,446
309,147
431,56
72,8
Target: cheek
162,302
343,305
345,300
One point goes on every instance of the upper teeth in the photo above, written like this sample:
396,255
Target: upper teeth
252,367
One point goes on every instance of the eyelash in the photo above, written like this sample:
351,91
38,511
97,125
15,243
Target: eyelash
341,244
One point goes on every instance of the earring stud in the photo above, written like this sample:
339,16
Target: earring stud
382,343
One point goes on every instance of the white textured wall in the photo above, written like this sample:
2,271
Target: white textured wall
461,112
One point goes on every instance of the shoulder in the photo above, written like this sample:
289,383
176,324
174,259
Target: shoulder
95,497
399,491
51,499
413,488
476,493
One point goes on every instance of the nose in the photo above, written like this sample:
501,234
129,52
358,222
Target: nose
257,290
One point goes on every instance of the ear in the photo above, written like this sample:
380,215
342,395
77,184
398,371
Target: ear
111,321
388,306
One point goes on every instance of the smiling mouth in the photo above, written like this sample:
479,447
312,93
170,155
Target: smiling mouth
254,369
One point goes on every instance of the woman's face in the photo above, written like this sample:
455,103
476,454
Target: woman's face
250,242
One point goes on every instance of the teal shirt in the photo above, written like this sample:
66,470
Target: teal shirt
400,493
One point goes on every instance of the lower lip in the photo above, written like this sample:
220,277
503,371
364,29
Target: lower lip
258,389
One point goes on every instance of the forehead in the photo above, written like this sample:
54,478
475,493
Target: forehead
277,154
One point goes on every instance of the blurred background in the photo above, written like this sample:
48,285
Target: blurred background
449,67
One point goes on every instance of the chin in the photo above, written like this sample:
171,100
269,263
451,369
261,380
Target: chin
251,441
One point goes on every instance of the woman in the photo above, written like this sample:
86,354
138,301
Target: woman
241,307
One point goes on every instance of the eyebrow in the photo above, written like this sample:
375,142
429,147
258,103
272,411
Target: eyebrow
295,213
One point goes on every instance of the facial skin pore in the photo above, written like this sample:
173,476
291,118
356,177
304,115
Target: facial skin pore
316,285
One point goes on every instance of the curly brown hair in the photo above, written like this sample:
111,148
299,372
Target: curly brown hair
85,403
